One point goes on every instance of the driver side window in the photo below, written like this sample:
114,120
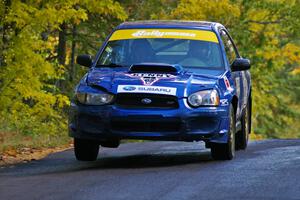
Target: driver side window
229,48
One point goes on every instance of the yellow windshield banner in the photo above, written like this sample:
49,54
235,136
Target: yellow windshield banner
188,34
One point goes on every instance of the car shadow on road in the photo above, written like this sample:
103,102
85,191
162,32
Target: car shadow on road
64,162
151,160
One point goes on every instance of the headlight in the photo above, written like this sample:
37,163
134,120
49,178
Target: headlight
94,98
204,98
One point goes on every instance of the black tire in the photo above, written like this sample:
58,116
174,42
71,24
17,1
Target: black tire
85,150
242,136
226,151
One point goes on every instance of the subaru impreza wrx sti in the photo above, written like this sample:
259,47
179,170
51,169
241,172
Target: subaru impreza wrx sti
163,80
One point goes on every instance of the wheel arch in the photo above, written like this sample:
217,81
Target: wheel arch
234,103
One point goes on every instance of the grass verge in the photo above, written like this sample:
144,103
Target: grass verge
16,148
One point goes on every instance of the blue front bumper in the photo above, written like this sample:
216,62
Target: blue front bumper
111,122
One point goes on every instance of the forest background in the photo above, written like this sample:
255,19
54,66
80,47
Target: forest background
40,39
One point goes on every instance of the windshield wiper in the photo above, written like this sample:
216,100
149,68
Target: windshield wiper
109,65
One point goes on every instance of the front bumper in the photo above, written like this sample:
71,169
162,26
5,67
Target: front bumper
111,122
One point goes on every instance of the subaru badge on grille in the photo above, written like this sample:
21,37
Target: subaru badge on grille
146,101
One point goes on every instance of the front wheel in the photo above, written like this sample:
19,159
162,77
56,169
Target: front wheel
85,150
226,151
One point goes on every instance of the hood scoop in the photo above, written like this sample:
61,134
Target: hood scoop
155,68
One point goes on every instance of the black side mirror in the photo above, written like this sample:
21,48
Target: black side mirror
84,60
240,64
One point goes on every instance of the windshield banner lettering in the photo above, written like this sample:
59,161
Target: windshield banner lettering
164,33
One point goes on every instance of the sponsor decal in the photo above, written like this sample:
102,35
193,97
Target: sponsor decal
189,34
224,102
150,78
146,89
160,34
227,83
129,88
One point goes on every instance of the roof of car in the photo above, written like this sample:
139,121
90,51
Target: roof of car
168,24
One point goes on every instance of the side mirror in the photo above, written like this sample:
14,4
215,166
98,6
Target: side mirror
240,64
84,60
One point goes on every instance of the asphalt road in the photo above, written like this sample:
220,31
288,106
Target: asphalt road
268,169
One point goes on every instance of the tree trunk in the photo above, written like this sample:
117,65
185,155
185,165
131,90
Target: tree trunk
5,32
72,65
62,44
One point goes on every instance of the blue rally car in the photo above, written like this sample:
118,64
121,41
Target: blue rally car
163,80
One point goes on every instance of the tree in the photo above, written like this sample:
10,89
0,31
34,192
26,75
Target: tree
30,101
77,35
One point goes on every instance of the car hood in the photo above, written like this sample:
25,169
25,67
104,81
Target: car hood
115,80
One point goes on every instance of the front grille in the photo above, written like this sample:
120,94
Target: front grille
146,126
142,100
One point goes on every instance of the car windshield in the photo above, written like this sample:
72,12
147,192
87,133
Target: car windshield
189,53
